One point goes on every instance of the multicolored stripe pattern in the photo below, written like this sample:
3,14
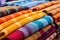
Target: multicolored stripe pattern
11,11
41,6
39,33
47,34
31,24
20,23
10,22
32,27
52,36
53,12
32,4
48,9
6,18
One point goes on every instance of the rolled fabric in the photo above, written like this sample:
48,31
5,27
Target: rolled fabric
32,4
52,36
48,9
11,11
31,28
47,34
20,23
10,22
12,3
6,18
39,33
41,6
56,16
8,7
54,11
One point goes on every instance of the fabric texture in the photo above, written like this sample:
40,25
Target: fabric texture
32,27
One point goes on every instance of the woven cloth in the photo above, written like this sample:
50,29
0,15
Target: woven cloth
41,6
11,11
48,33
54,11
6,18
32,4
32,27
9,22
51,8
38,34
22,22
52,36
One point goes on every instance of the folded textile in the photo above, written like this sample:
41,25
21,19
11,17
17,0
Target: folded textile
48,33
11,3
52,36
8,7
39,33
32,4
11,11
54,11
31,27
41,6
20,23
48,9
10,22
6,18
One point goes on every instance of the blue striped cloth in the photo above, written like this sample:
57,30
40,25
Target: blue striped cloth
12,3
31,4
36,25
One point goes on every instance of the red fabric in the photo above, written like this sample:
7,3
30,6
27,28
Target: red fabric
18,35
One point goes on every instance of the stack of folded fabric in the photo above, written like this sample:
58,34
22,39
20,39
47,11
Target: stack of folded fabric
37,23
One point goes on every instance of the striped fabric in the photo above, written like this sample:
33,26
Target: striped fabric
8,7
12,16
20,23
51,8
11,3
41,6
11,11
36,35
53,12
47,34
32,27
52,36
6,18
9,22
32,4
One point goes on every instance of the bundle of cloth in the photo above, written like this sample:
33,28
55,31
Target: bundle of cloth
37,23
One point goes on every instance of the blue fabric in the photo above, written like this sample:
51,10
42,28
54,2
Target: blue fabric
31,4
37,24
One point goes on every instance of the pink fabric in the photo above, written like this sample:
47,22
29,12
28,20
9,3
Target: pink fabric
18,35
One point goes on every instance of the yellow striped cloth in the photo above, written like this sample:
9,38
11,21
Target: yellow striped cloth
9,22
19,24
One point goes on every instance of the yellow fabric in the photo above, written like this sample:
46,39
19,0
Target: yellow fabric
52,7
7,23
20,23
